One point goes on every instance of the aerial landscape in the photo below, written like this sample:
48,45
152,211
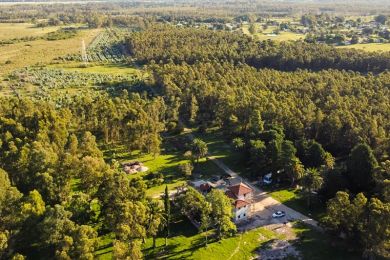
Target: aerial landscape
178,129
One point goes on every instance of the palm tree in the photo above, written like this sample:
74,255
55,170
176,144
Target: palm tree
311,181
199,149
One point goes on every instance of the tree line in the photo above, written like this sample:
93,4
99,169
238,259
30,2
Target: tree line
166,44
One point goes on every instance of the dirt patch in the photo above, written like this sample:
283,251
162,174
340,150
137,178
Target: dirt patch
284,230
278,249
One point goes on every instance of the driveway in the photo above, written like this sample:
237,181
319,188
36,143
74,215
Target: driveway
264,205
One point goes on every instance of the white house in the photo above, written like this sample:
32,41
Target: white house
242,196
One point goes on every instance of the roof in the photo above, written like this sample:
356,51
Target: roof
234,181
230,194
240,189
240,203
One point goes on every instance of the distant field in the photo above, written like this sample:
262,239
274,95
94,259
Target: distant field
25,54
283,36
369,46
267,34
20,30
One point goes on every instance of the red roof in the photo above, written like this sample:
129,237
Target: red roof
240,203
240,189
230,194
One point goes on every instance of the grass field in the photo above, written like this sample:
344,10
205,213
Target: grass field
186,243
282,36
369,47
25,54
20,30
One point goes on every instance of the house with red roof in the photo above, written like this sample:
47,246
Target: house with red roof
235,189
242,195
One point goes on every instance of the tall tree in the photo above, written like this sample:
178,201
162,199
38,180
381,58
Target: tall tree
199,148
376,232
311,181
360,167
167,214
205,220
155,219
315,155
222,213
292,166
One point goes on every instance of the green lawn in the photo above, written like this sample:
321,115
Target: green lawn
186,243
293,198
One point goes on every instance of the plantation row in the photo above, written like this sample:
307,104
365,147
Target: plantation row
57,78
108,46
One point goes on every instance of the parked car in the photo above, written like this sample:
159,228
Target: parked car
279,214
267,179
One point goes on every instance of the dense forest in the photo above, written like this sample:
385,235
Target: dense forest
43,149
315,116
335,107
168,44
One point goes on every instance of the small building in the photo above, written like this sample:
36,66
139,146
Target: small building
242,196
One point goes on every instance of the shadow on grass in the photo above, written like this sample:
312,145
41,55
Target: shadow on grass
314,244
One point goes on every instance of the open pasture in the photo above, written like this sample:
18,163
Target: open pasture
25,54
20,30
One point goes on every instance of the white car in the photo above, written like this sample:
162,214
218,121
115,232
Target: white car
267,179
279,214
